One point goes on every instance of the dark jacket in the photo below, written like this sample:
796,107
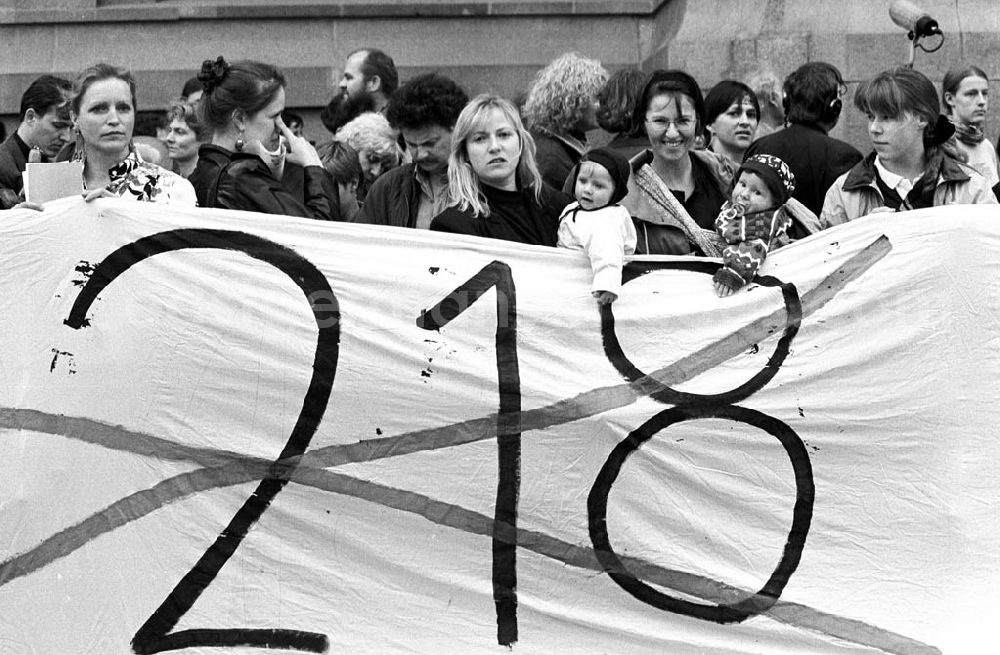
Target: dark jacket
239,180
514,216
12,164
393,200
857,193
816,161
556,156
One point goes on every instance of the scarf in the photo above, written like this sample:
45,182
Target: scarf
970,135
130,176
707,241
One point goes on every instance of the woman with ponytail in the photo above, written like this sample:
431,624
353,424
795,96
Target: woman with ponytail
913,165
241,166
965,94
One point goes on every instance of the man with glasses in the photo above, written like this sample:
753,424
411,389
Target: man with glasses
812,102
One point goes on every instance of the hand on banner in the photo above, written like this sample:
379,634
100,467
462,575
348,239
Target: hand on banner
94,194
605,297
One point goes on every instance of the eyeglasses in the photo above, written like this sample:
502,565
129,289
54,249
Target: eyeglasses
660,124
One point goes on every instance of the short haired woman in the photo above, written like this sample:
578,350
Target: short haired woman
494,184
241,167
184,136
342,164
376,143
910,166
732,114
103,111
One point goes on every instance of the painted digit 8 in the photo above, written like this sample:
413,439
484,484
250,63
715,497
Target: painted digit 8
691,406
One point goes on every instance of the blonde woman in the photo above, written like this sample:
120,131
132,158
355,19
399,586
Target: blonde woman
561,107
493,181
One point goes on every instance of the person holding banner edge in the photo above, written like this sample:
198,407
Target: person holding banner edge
103,109
912,165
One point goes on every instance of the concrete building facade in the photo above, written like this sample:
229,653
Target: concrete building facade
495,45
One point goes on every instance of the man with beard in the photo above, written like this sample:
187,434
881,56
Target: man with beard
369,79
44,130
424,110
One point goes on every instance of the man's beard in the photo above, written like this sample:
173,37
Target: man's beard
343,109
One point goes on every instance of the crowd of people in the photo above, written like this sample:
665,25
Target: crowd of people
727,174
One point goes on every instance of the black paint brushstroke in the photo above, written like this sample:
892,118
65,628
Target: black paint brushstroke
668,395
497,274
690,406
234,468
154,636
597,509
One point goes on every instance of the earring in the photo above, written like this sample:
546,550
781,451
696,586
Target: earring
239,142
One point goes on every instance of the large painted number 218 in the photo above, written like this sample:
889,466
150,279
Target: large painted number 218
497,274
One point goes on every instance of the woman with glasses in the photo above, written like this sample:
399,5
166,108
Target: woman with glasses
675,191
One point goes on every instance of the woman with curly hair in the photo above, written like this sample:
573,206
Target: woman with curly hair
241,167
561,107
376,143
493,182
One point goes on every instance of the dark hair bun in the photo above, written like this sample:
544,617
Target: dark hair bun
212,73
942,131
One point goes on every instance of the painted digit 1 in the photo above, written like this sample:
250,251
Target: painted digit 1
497,274
155,635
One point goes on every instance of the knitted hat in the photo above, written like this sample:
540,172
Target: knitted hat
775,173
616,165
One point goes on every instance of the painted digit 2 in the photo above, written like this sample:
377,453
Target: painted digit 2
155,636
690,406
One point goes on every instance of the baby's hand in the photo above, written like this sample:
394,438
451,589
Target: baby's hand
605,297
723,290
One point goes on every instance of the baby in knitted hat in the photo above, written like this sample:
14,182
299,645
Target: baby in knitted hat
596,223
752,219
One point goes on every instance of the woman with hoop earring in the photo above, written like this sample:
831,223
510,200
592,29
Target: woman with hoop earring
242,165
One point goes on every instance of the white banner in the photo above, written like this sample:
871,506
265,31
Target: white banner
225,432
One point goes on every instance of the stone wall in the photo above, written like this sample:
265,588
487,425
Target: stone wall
496,45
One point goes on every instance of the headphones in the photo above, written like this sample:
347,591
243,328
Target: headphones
832,104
